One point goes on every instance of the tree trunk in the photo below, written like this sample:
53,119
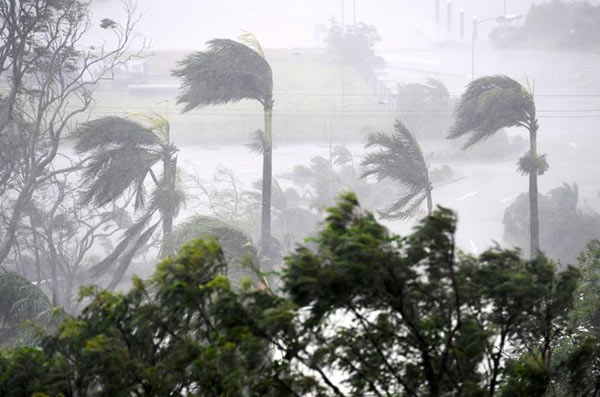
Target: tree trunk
534,228
169,178
429,201
265,235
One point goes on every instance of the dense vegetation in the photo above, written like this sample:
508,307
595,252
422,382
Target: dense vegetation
555,25
354,310
360,311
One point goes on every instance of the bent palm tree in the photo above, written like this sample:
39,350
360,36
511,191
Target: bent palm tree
401,160
122,156
229,72
495,102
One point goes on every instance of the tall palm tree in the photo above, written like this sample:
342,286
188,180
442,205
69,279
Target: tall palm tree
495,102
400,159
122,156
230,71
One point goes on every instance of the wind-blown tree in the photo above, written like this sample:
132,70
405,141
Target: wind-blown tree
400,159
122,155
50,71
20,300
230,71
495,102
361,311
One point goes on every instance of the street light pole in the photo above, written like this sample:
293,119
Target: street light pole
476,24
473,37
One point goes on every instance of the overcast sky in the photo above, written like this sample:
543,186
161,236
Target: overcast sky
187,24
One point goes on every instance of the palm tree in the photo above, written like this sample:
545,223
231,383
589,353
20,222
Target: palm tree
495,102
123,153
122,156
229,71
401,160
20,300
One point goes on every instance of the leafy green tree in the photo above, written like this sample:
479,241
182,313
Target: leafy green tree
495,102
122,154
227,72
401,160
362,311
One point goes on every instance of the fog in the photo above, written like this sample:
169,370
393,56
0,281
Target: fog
300,198
408,61
413,48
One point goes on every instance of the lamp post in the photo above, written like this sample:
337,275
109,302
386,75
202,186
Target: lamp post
476,23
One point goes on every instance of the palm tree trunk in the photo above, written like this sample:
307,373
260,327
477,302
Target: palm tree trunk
429,201
534,228
170,171
265,236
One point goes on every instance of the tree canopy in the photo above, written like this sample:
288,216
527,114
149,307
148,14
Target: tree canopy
361,311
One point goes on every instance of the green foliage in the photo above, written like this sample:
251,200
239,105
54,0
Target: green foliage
237,246
401,160
362,311
564,228
526,164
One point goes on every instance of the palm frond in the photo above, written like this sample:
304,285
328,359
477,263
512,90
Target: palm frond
127,257
122,152
251,41
128,238
168,199
406,207
527,165
156,123
227,72
341,156
110,173
20,300
399,159
257,142
490,104
112,131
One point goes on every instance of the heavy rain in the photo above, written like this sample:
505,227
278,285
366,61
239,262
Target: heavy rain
299,198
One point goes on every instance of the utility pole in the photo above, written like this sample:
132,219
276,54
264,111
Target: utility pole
449,17
343,21
462,24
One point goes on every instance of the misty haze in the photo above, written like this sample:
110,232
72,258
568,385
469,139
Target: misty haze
299,198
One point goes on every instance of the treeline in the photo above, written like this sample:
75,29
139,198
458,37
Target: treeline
360,311
555,25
